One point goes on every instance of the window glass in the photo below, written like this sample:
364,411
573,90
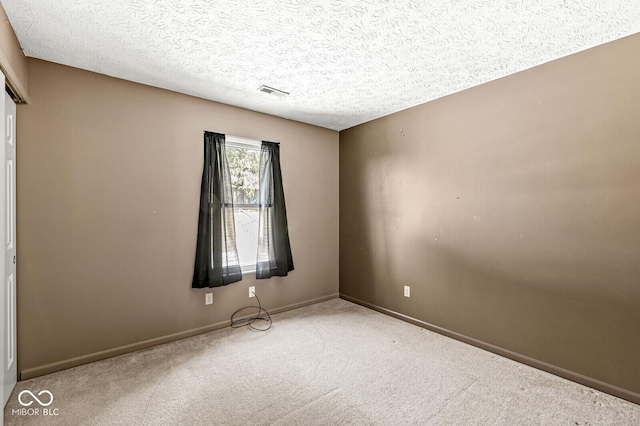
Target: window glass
243,164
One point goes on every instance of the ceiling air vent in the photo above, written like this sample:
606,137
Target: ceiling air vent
272,91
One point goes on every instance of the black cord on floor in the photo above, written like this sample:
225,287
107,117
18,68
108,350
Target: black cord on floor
248,322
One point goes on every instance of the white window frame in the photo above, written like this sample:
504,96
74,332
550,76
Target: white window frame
252,145
246,143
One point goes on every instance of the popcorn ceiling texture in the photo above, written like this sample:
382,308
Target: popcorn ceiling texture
344,62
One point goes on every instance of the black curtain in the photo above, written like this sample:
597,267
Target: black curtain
274,249
217,261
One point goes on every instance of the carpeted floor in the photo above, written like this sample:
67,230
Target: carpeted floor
332,363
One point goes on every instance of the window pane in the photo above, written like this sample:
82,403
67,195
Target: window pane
244,164
247,236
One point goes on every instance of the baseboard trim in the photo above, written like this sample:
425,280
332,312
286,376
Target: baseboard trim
133,347
532,362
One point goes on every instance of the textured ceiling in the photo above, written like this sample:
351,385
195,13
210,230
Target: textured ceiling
343,62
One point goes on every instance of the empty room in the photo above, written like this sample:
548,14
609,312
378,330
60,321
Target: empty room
299,212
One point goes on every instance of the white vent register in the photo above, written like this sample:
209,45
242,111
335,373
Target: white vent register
271,91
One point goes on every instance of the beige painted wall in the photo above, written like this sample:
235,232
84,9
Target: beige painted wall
512,210
108,190
12,59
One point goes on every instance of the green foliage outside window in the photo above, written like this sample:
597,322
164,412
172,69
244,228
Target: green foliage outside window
244,165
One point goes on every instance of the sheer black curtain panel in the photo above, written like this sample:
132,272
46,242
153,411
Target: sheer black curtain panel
274,249
217,261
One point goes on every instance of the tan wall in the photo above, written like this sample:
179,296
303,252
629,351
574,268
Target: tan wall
12,59
108,192
512,210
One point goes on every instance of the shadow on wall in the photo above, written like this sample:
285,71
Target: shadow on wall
535,252
374,217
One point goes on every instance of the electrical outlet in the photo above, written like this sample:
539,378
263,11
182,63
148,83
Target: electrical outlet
208,298
252,291
407,291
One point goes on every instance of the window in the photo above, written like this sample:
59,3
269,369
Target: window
218,262
243,156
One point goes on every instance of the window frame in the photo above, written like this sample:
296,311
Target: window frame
237,142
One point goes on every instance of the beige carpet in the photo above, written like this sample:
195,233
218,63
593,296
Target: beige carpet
330,363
